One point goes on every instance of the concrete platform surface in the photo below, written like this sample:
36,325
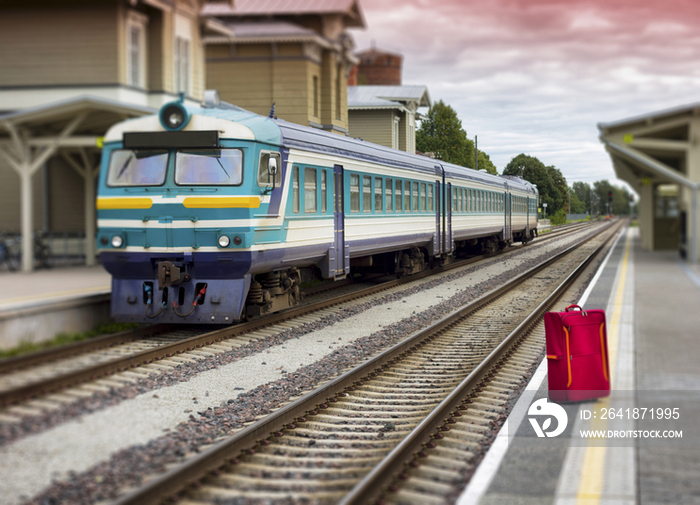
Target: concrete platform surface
37,306
652,303
21,289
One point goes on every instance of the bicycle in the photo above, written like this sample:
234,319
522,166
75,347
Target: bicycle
9,255
11,251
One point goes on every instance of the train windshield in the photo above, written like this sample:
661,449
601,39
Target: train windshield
139,167
209,166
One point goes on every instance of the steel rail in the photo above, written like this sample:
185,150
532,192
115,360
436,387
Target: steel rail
245,441
383,477
97,371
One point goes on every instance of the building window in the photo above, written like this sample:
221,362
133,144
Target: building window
182,54
396,133
136,49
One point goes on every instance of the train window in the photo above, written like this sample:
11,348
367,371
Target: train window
454,199
137,168
209,167
366,193
378,190
407,196
324,195
469,200
399,199
389,192
415,197
264,177
354,193
310,194
423,205
295,189
431,206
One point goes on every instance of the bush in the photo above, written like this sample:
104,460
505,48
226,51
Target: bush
558,218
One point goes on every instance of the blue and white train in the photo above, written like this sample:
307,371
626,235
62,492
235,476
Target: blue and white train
213,214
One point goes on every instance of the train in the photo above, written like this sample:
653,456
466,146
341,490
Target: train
210,213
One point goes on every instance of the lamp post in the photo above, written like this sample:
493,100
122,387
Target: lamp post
544,205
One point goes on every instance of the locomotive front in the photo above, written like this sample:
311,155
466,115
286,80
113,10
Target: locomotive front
178,196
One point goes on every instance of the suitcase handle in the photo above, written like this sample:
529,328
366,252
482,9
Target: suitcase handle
572,307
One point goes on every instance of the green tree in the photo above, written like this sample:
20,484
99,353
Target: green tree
441,133
582,190
533,170
485,163
577,206
559,196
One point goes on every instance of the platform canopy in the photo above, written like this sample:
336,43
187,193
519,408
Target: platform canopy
654,150
70,129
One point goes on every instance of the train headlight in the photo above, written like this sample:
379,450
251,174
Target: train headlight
224,241
174,116
117,241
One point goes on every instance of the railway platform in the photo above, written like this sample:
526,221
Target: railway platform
38,305
652,303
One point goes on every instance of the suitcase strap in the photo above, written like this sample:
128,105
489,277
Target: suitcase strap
568,354
602,350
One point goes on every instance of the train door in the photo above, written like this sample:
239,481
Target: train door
449,239
527,218
437,238
509,224
340,261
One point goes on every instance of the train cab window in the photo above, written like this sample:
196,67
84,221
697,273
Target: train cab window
324,194
366,193
431,206
423,197
378,190
264,176
389,192
354,193
295,189
209,167
137,168
415,197
310,193
399,200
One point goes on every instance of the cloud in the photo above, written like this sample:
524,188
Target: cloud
536,76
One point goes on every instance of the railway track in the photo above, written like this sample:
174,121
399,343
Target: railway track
407,426
49,371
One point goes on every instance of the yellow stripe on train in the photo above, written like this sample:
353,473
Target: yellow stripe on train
124,203
245,202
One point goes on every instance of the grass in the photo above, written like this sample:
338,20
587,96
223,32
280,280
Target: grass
65,339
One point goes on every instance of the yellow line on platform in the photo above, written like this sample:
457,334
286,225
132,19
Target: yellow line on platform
590,485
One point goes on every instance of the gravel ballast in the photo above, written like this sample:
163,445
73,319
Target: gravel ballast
162,425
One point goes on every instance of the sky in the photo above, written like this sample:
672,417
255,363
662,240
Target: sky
537,76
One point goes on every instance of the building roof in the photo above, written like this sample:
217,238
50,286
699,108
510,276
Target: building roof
682,110
385,97
350,9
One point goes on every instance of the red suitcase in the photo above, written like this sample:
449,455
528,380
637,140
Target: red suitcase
577,354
